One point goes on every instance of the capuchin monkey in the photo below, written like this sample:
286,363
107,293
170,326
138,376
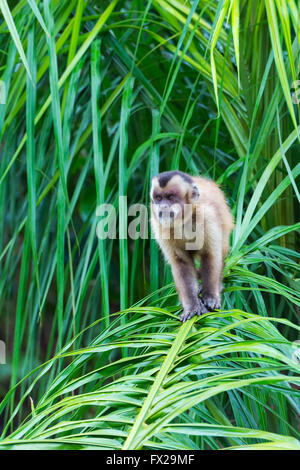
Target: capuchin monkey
191,220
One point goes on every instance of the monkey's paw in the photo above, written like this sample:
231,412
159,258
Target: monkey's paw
211,301
198,310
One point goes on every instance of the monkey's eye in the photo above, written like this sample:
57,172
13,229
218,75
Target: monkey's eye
158,198
171,197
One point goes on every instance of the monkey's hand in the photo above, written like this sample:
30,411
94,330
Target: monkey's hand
198,309
211,301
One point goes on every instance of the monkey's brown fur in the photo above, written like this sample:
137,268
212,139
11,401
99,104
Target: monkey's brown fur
209,215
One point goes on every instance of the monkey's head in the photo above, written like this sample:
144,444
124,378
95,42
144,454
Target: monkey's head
172,192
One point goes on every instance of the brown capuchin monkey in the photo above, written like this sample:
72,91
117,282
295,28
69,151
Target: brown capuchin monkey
191,220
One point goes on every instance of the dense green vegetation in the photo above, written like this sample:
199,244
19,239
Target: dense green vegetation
100,97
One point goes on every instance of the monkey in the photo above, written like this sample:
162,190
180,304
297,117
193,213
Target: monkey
191,221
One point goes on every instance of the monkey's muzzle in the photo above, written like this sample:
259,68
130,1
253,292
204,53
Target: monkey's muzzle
169,215
166,214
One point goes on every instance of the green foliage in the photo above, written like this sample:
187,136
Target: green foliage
99,99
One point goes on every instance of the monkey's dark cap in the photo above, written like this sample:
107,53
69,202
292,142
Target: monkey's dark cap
164,178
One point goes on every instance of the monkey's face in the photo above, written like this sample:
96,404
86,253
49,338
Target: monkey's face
170,196
167,206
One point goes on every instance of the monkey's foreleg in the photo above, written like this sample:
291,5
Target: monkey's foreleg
201,288
211,269
185,278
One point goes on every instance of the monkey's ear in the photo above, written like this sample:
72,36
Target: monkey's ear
195,193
